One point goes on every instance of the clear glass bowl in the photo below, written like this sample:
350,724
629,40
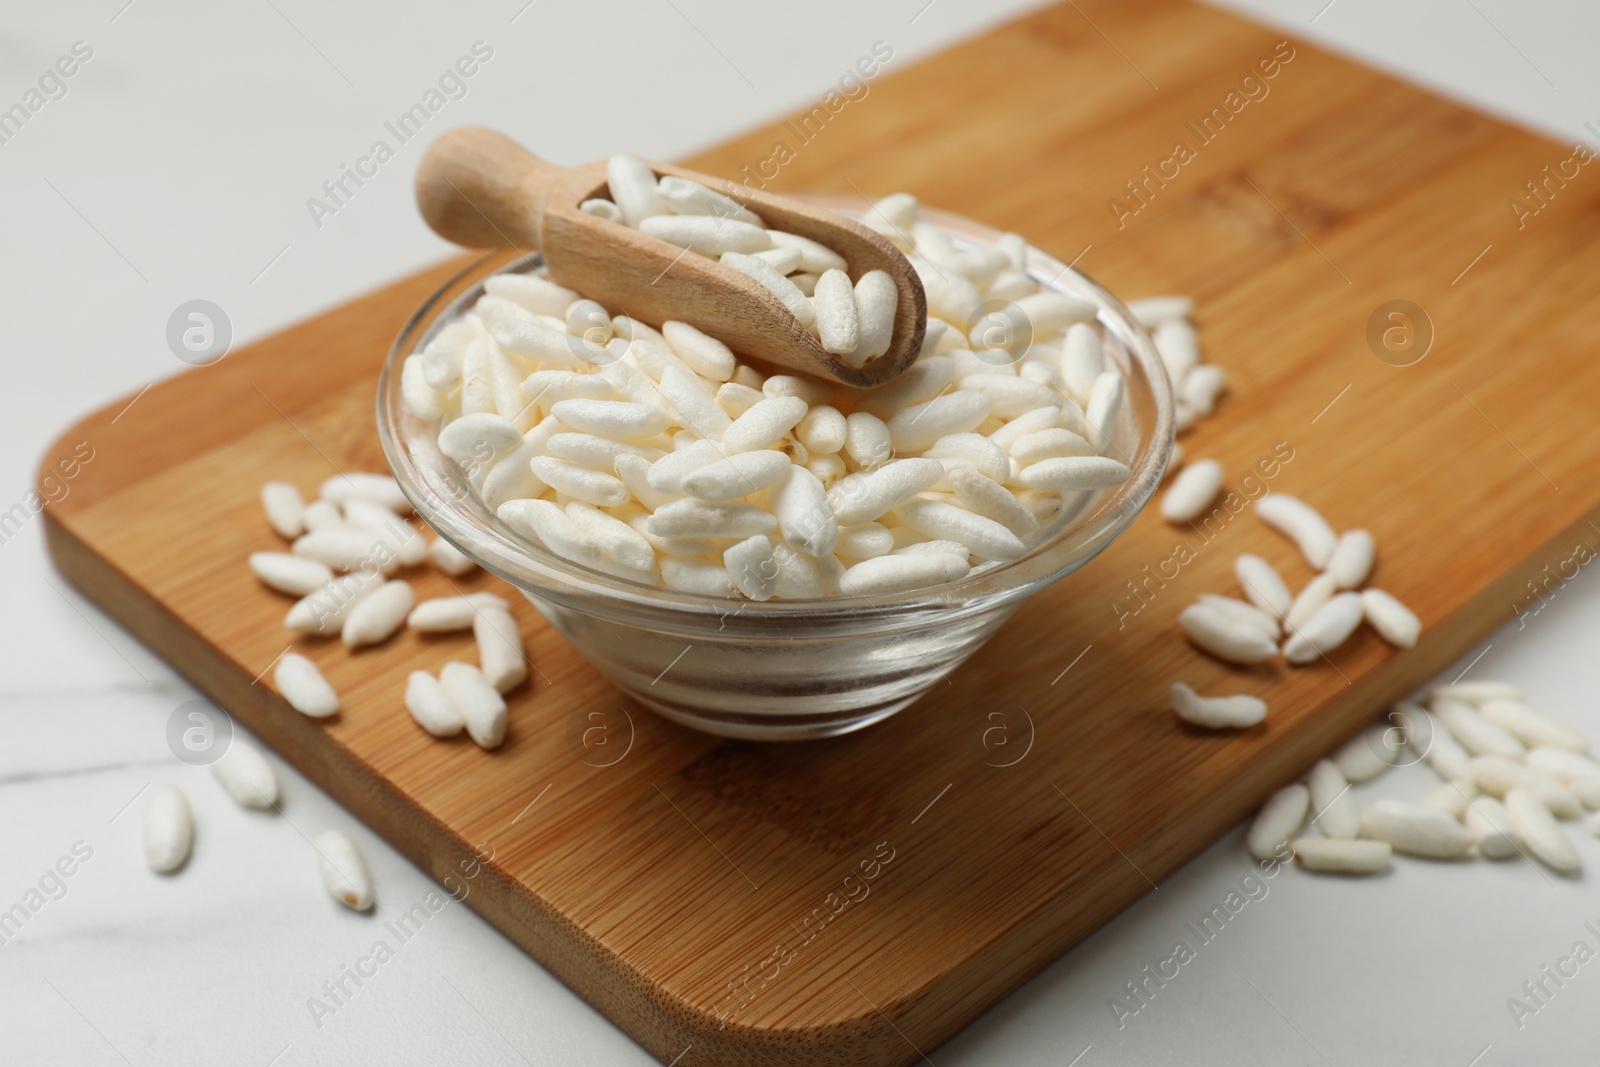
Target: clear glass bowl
780,669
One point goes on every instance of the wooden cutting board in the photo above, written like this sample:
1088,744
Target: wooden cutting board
861,899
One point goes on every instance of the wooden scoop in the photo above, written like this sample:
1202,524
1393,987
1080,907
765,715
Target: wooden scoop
479,188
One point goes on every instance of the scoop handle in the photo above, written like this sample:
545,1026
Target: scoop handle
478,188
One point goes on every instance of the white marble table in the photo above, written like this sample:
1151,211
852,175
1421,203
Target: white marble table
123,198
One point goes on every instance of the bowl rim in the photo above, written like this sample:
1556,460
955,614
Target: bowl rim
537,571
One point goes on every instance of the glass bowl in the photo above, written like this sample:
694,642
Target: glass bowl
781,669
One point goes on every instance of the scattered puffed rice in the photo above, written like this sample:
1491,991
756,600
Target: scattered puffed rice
168,829
344,872
247,776
1476,692
379,488
1575,770
500,648
303,686
430,705
1243,613
1302,524
1452,798
1463,815
1497,776
1368,754
1229,639
1154,310
1351,562
1309,601
289,573
1262,585
1394,622
1530,727
481,707
376,617
1324,631
1540,833
1192,491
1333,808
1416,829
1280,817
1342,856
1477,734
448,614
285,508
1491,827
1230,712
323,612
1427,735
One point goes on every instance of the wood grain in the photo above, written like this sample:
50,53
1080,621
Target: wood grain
695,890
479,188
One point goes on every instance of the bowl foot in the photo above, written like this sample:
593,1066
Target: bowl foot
774,727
